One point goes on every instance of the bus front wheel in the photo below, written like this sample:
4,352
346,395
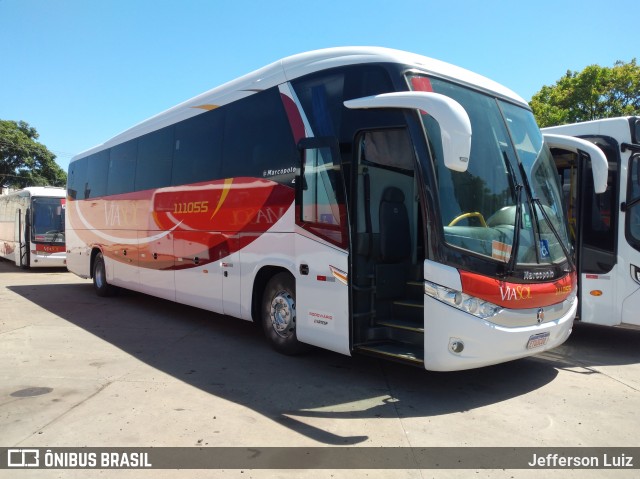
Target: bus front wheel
100,284
279,314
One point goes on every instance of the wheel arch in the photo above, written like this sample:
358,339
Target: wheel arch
262,277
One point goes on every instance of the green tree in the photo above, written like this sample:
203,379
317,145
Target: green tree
23,160
593,93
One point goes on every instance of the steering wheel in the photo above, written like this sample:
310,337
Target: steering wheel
475,214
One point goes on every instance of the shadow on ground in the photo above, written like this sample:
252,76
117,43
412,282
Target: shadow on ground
229,358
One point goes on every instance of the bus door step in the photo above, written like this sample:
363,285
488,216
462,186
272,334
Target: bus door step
403,324
412,309
401,352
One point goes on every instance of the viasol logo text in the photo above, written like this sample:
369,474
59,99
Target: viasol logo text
515,293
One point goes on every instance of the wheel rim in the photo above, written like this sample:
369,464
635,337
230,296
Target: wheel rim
283,314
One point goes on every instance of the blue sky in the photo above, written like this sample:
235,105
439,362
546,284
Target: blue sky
81,71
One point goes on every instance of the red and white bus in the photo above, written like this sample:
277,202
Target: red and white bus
357,199
605,225
32,227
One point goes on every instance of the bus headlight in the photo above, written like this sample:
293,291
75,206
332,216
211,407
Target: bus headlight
462,301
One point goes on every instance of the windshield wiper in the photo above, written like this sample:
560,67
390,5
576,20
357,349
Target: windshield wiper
626,206
511,268
54,235
572,265
511,265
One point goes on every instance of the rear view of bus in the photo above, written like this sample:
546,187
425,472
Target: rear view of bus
32,232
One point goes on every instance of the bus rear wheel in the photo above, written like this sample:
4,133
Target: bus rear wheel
279,314
100,284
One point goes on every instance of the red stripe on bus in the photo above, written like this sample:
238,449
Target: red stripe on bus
48,248
518,295
207,221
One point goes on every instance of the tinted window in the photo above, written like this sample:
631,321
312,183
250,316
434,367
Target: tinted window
257,139
97,174
633,199
599,229
600,213
77,179
198,148
155,153
322,96
122,168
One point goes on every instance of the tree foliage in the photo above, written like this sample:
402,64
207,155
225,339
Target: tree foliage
23,160
593,93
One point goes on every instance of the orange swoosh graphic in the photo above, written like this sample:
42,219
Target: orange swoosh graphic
225,191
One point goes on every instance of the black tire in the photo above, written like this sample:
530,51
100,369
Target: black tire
100,284
25,259
278,314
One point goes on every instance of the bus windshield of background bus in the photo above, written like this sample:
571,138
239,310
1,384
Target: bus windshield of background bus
479,207
48,220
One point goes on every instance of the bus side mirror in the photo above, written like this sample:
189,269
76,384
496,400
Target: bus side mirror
599,163
455,126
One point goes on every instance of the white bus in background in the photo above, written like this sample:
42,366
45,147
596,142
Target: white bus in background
363,200
32,227
605,228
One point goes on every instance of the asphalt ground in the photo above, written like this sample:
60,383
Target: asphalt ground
134,371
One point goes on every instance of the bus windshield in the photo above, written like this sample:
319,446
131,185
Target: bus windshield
510,185
48,220
541,174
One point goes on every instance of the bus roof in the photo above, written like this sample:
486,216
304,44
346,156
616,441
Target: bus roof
618,128
51,191
296,66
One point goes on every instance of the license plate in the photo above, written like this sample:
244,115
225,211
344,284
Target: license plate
537,340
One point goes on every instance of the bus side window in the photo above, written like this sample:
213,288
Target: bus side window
77,181
154,159
97,174
122,167
258,141
198,148
599,217
633,202
321,201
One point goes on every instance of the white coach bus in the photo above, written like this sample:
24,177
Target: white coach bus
357,199
32,227
605,228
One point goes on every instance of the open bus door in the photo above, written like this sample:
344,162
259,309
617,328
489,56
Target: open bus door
322,291
590,199
21,239
631,210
